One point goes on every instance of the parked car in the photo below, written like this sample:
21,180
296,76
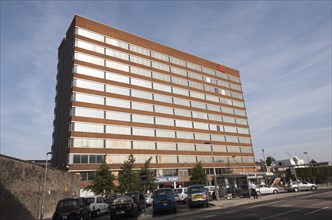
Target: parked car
180,194
148,199
139,199
109,199
197,195
222,193
123,205
72,208
97,205
211,189
299,185
163,199
263,189
211,192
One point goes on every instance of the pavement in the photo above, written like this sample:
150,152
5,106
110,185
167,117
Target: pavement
225,203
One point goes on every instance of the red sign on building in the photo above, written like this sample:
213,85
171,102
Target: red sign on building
221,68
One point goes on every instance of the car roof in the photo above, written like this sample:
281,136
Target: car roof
133,192
164,189
198,185
75,198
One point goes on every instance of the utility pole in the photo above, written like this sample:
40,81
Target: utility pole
264,160
44,187
307,157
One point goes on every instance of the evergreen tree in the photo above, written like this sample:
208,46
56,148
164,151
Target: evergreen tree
129,178
198,176
103,181
269,160
150,183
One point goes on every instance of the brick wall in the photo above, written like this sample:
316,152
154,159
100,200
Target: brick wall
21,189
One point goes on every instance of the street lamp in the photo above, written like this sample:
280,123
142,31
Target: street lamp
44,187
307,157
264,160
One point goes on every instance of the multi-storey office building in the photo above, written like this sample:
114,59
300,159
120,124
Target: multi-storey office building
120,94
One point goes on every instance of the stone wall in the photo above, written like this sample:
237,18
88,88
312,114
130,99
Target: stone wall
21,189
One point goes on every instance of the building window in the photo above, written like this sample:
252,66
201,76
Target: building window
118,144
166,146
143,132
118,103
140,82
117,90
119,116
142,106
111,129
165,133
142,119
187,159
117,78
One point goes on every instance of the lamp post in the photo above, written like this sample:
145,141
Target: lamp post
214,173
215,176
264,160
307,157
44,187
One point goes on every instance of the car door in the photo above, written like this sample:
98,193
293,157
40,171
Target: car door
101,204
262,189
306,186
302,185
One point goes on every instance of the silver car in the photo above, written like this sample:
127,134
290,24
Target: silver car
298,185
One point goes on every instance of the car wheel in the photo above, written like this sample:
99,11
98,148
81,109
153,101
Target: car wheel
313,188
296,189
275,191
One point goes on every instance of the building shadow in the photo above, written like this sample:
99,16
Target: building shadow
11,207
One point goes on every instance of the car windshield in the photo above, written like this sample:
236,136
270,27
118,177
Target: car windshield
296,182
196,189
90,200
123,199
163,193
68,204
177,190
133,195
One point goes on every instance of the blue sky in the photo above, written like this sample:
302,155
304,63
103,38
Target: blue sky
281,48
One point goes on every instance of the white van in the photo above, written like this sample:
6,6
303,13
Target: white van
180,194
211,189
97,205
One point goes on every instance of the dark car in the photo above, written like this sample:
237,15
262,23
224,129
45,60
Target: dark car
72,208
163,199
109,199
139,199
123,205
197,195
